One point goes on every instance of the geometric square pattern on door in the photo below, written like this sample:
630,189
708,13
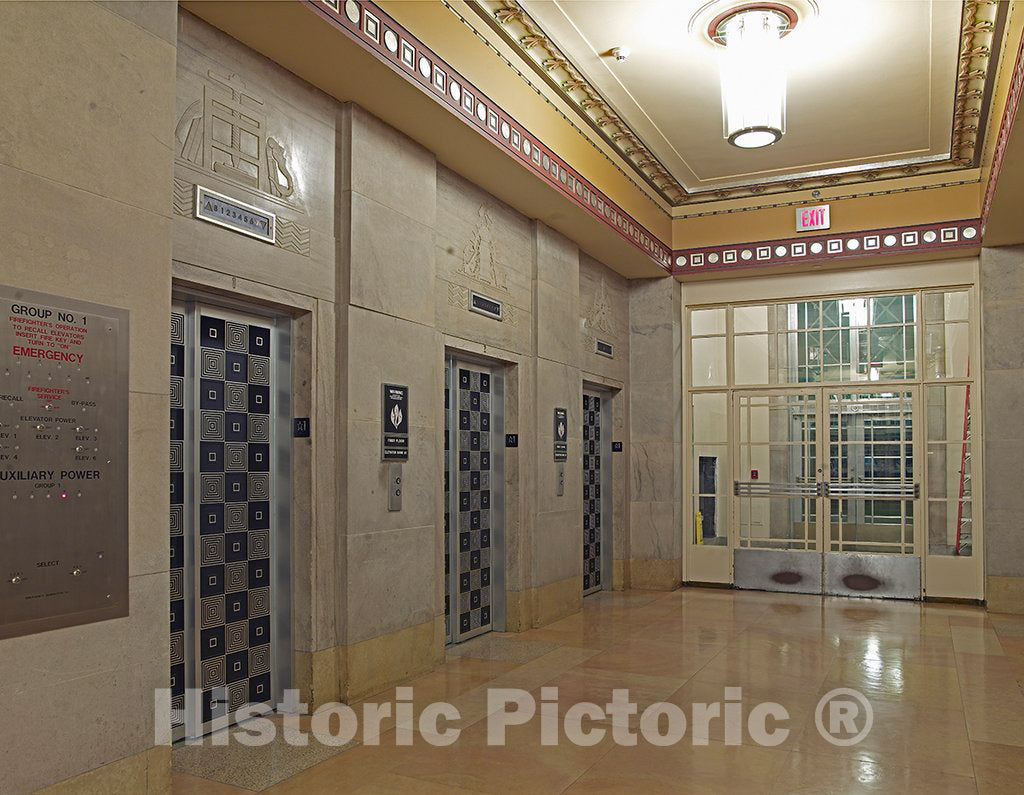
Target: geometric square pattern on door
233,570
177,520
591,493
472,595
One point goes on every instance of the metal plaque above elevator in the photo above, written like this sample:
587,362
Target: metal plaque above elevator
229,514
474,570
597,486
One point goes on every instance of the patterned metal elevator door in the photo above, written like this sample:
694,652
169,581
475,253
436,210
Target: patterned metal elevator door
473,561
222,466
447,507
591,493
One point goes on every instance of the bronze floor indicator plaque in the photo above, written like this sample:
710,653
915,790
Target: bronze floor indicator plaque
63,462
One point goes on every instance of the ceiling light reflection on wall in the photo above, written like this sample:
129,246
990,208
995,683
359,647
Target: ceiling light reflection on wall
753,73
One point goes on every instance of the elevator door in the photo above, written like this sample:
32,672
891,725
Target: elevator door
474,499
229,593
596,485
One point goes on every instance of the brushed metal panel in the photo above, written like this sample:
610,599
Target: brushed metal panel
63,462
786,570
859,574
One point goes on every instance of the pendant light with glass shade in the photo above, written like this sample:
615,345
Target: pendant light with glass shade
753,75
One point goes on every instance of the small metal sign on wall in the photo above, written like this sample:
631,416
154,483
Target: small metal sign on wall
810,219
394,423
561,435
235,215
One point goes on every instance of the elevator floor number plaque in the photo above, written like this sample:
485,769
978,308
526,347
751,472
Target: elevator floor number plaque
63,462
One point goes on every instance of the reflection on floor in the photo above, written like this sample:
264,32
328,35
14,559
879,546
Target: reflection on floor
944,682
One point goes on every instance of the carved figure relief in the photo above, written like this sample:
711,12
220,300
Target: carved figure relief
600,316
479,258
226,133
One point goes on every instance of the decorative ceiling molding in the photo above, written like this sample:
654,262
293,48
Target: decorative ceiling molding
1005,127
806,250
981,28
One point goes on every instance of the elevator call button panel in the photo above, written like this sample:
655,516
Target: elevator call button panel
63,462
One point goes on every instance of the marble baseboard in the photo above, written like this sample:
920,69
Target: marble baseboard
1005,594
373,665
655,575
315,675
148,771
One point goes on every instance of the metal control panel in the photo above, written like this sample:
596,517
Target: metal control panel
63,462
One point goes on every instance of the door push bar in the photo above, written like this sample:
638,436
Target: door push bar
876,491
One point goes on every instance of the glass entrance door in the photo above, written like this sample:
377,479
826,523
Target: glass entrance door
825,485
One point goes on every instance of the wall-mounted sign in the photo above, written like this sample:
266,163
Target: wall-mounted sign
394,423
235,215
809,219
616,447
605,349
63,462
561,434
483,305
511,440
300,429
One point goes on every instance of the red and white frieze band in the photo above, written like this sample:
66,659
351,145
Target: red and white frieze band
374,30
819,248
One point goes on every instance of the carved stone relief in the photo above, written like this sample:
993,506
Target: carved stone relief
480,260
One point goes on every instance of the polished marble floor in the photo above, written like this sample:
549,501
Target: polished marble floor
945,683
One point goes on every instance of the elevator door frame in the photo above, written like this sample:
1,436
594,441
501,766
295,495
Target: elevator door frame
192,305
607,548
823,570
453,359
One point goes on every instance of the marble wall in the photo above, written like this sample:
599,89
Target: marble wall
654,554
86,165
378,250
1002,329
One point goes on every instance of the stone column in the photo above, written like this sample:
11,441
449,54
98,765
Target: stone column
390,625
655,423
1002,329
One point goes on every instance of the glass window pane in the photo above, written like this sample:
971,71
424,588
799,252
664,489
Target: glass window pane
708,361
710,469
749,319
950,528
886,309
948,409
947,350
949,471
707,321
710,418
953,305
711,520
751,359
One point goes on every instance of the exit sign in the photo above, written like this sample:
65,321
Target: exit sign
812,218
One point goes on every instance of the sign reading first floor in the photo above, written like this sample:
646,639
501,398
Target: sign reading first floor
394,423
561,434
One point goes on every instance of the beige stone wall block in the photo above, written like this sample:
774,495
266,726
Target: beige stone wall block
557,600
653,531
159,17
392,262
385,349
391,577
390,168
618,574
1005,594
145,772
315,676
148,472
558,259
372,665
115,663
655,575
83,92
558,545
557,323
604,315
101,251
651,473
511,336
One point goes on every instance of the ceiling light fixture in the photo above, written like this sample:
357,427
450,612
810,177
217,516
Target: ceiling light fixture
752,72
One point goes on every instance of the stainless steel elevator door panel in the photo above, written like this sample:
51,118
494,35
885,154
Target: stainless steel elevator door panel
858,574
594,514
789,571
447,505
229,526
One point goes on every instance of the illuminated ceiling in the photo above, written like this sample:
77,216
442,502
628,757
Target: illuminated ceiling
877,89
